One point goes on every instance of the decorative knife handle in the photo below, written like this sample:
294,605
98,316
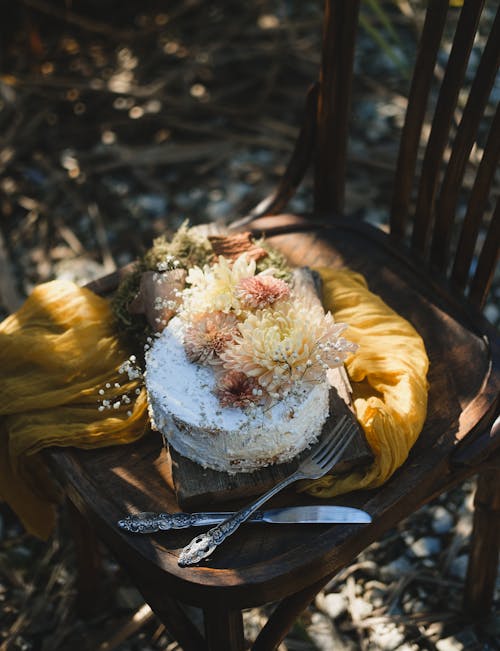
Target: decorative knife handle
204,544
152,522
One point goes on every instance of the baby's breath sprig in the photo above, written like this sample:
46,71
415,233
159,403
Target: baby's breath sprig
168,263
114,401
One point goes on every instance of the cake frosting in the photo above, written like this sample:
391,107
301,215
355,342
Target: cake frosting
183,406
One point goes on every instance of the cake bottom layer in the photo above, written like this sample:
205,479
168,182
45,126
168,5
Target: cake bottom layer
184,409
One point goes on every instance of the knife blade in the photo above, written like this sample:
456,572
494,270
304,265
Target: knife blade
150,522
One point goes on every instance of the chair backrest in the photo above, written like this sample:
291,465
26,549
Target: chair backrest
426,192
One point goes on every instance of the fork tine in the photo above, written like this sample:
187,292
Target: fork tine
332,440
333,457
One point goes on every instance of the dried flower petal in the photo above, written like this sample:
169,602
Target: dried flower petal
257,292
235,389
208,335
232,246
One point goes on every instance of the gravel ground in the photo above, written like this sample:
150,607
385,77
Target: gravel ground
113,135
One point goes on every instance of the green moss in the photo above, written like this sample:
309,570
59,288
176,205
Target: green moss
186,249
274,260
133,327
186,246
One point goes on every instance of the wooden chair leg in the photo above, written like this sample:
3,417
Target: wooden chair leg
174,618
284,616
485,544
88,563
223,629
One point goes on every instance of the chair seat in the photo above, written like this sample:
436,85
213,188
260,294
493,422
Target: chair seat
262,563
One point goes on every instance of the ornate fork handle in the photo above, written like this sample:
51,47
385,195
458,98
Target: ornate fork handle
204,544
152,522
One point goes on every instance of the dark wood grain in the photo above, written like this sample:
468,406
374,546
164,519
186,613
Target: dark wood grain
89,564
223,628
480,580
339,37
462,145
476,208
448,95
423,75
487,262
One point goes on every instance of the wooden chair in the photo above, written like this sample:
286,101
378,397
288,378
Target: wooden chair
420,271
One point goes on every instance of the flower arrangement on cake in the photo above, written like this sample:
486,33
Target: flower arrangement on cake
259,336
236,371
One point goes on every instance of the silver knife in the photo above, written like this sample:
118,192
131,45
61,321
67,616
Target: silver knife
149,522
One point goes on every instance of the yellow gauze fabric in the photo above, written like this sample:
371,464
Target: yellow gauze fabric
56,352
61,348
388,376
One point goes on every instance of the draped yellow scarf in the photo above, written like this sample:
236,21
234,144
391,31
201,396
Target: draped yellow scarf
61,348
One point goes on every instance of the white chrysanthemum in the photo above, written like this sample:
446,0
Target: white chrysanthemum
292,343
212,288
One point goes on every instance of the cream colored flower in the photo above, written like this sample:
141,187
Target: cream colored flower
208,335
258,292
213,287
294,342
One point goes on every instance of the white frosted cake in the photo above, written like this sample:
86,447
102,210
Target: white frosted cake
237,379
183,405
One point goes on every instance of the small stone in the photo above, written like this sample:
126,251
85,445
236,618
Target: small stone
387,637
335,604
426,546
428,562
449,644
360,608
463,527
325,635
458,567
492,313
442,520
396,568
78,270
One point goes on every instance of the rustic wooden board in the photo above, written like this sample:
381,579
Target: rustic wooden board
197,487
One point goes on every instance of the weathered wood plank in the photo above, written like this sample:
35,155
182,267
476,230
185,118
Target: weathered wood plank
199,487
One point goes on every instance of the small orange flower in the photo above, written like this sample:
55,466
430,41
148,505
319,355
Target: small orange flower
208,335
257,292
235,389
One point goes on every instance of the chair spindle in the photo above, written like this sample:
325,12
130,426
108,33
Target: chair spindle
339,34
419,92
478,203
488,259
462,146
446,104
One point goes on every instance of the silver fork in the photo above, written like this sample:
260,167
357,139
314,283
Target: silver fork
324,457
